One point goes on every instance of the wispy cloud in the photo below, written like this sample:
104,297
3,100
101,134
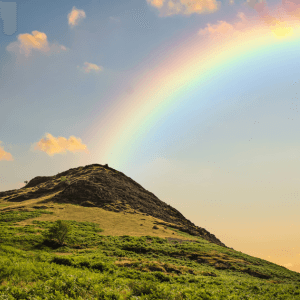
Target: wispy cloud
35,41
88,67
75,15
52,145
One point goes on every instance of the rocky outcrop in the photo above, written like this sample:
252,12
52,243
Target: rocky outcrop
101,186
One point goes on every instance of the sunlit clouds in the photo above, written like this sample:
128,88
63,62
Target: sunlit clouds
185,7
52,145
74,16
188,7
35,41
292,8
223,28
279,28
4,155
156,3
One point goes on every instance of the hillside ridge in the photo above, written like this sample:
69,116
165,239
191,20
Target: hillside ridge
101,186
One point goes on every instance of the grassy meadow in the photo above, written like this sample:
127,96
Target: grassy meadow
109,255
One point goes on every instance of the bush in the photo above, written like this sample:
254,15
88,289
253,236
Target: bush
63,178
59,231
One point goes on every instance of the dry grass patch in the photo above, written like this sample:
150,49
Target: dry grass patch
113,223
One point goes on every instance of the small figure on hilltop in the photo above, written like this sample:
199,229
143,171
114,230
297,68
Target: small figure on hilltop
106,165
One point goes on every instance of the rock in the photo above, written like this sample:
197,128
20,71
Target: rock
93,186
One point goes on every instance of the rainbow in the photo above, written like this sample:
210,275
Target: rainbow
186,65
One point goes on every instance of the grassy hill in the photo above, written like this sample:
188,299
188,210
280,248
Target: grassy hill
121,252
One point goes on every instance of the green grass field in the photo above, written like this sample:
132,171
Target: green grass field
92,264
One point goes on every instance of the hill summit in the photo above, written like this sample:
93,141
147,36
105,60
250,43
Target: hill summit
101,186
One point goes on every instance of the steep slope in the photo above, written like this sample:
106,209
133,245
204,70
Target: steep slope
101,186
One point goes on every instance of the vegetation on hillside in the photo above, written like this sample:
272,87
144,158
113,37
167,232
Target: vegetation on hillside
72,260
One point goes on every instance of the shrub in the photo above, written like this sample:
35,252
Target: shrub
59,231
63,178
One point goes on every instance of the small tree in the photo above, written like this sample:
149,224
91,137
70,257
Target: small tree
63,178
59,231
